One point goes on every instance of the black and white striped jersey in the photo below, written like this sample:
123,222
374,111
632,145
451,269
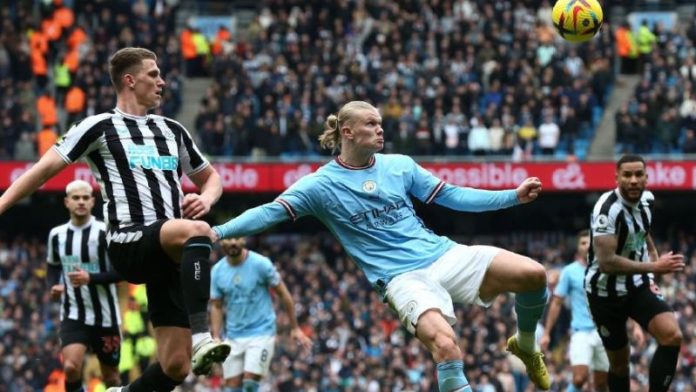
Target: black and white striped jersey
138,162
71,246
612,215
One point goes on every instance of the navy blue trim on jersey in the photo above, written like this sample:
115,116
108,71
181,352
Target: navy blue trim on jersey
288,208
370,163
434,193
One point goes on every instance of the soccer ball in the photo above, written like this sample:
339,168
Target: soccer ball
577,20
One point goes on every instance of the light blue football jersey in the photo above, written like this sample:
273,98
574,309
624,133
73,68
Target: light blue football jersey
570,285
244,290
369,210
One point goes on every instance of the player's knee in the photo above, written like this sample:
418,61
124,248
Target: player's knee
198,229
672,338
536,275
177,366
445,346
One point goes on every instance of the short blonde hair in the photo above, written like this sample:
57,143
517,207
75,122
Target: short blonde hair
331,137
78,185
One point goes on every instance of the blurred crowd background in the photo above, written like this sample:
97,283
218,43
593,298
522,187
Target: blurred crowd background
456,78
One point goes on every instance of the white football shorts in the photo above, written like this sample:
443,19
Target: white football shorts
453,278
251,355
586,349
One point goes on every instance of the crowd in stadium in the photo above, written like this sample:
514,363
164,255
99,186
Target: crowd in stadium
447,80
455,78
54,65
451,78
359,343
661,116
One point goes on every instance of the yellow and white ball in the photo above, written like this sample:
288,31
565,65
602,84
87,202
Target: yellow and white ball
577,20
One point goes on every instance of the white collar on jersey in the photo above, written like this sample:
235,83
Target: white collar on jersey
133,116
89,222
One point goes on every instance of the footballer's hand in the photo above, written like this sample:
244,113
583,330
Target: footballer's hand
528,190
303,340
669,262
56,291
195,206
78,277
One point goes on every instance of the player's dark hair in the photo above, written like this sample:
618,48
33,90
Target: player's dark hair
629,158
127,61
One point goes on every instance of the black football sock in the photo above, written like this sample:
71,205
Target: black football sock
662,367
152,379
195,281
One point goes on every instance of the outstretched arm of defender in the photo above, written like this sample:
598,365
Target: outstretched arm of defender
47,167
253,221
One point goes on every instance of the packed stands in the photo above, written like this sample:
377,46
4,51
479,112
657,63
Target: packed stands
453,78
660,118
54,65
468,78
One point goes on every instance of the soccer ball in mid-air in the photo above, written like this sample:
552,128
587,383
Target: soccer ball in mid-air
577,20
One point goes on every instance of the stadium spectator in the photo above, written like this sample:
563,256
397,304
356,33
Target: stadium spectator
549,135
689,145
626,48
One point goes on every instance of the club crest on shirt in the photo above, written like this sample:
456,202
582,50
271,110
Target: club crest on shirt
369,186
236,280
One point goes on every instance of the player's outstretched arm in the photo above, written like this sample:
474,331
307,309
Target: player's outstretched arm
47,167
479,200
253,221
